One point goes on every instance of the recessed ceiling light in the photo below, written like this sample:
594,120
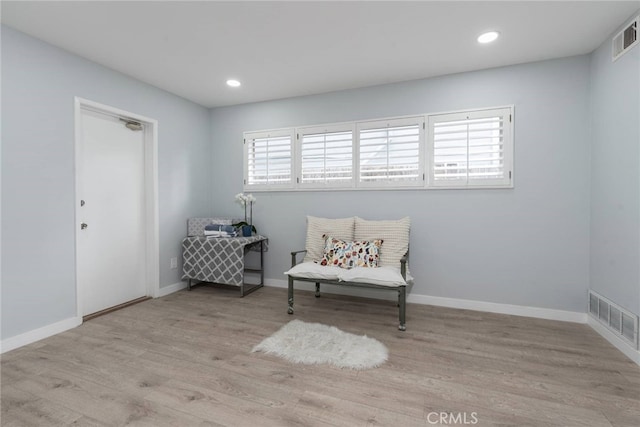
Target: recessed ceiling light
488,37
233,83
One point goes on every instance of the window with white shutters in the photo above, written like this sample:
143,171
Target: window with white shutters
471,149
390,152
269,159
326,156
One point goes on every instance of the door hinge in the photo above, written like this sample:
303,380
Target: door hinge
298,180
297,136
244,141
423,126
245,182
510,118
423,176
509,174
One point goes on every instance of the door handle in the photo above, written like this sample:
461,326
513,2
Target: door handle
83,226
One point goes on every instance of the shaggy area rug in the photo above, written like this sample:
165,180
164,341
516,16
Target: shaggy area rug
314,343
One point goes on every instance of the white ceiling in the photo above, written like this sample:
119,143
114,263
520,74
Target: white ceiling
285,49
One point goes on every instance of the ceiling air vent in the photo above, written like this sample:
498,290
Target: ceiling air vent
625,39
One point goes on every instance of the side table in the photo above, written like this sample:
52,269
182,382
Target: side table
221,260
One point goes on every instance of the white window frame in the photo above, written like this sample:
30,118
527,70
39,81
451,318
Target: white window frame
426,150
269,134
506,181
309,130
390,123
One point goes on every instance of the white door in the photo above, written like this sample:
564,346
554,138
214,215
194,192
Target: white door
112,246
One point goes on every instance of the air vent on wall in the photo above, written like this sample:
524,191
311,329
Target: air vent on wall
615,318
625,39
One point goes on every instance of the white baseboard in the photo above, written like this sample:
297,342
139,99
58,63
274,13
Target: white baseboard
614,340
39,334
64,325
166,290
491,307
516,310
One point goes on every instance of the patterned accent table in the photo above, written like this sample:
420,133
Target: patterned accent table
221,260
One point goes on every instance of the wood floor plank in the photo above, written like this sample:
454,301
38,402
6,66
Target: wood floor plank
23,408
185,360
218,402
343,412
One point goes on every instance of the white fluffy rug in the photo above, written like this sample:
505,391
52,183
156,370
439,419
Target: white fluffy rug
314,343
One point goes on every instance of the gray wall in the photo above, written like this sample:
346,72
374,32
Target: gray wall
39,83
527,246
615,176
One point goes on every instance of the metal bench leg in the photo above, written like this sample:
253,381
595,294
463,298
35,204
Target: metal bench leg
290,295
317,290
189,284
402,302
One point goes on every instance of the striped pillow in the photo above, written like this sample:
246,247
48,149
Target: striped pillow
395,234
341,228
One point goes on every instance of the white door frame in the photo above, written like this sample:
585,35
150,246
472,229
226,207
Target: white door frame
150,190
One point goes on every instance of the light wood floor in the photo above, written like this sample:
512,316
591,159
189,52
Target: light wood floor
184,360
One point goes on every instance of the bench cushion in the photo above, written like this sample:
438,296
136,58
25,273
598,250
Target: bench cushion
341,228
381,276
311,270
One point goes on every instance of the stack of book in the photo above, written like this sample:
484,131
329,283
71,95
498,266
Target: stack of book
219,230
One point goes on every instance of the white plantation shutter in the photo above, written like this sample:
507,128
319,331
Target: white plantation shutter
390,152
326,156
471,149
268,159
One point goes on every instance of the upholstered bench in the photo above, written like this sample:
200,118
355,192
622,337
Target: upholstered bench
380,249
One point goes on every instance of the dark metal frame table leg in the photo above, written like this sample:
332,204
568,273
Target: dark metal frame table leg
251,288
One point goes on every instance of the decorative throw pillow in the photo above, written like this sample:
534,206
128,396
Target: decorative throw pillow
360,253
